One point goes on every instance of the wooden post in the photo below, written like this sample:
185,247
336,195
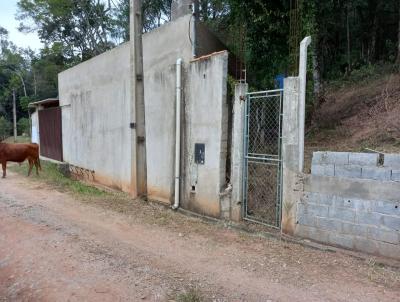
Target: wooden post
138,164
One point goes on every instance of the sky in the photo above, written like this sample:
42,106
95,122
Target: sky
8,10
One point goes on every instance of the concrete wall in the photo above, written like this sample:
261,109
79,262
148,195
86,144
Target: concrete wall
161,48
35,127
206,116
95,97
95,100
353,202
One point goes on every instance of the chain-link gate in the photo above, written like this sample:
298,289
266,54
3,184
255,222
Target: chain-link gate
262,155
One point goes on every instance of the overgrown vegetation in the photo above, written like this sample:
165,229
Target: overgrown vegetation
192,295
51,175
351,40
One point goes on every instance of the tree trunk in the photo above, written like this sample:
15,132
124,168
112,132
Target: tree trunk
348,41
398,41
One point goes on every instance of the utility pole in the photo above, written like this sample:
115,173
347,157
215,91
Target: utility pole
15,116
138,138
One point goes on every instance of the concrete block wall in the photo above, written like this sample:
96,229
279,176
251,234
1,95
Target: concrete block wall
352,200
356,165
370,226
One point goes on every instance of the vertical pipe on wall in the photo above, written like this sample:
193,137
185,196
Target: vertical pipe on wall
178,132
302,99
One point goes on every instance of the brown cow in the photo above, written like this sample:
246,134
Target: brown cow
19,153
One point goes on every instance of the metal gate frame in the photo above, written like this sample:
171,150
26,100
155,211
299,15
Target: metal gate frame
274,159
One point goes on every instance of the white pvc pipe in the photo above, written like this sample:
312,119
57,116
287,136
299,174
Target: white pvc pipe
178,132
302,97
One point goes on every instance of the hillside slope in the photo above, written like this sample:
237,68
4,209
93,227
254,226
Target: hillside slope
358,116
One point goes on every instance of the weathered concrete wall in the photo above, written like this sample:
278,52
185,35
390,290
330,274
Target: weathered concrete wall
180,8
161,48
35,127
206,117
95,97
352,202
95,100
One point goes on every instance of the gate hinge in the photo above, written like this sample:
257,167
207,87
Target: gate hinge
132,125
243,98
140,139
139,77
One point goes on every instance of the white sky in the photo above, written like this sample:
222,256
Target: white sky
8,10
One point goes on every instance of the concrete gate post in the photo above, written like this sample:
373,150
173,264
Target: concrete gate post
291,186
293,123
237,161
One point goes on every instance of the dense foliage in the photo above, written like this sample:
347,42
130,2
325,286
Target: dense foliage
348,37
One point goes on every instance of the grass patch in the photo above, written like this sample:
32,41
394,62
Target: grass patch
52,176
192,295
20,139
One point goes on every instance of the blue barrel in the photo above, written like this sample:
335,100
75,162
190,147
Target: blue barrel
279,81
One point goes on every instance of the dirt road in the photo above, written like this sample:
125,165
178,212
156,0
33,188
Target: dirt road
56,247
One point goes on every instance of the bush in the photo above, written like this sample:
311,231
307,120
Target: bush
5,128
23,126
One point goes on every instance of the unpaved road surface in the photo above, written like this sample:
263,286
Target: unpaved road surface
56,247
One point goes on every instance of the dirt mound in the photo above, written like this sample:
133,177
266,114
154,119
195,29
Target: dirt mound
364,115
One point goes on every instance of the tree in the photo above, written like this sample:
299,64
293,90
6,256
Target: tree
83,27
398,40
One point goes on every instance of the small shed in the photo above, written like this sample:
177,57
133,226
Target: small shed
47,128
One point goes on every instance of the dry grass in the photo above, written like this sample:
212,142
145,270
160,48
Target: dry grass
358,116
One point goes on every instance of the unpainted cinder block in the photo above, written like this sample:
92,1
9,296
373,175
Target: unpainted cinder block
391,222
312,233
306,219
329,158
345,214
383,235
348,171
345,241
395,175
386,207
376,173
366,245
372,219
392,161
389,250
327,224
363,159
323,170
355,229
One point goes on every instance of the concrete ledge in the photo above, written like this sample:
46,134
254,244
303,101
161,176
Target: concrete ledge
353,188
